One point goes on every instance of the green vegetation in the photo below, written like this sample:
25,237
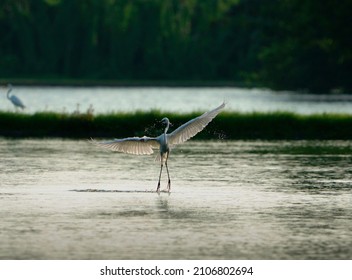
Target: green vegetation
282,44
228,125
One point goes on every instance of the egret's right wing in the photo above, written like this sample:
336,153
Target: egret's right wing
192,127
132,145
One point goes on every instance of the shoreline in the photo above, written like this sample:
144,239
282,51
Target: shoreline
67,82
122,83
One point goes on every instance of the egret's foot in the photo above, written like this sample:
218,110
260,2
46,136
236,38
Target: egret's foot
169,186
158,188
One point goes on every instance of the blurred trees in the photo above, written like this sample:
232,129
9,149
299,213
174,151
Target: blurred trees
283,44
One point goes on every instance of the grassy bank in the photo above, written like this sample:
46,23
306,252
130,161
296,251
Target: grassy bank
228,125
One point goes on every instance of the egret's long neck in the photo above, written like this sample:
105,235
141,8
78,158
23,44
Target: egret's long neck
167,127
8,93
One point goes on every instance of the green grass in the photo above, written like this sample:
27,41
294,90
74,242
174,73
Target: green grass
228,125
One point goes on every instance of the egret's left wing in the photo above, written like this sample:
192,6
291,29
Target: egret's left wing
132,145
192,127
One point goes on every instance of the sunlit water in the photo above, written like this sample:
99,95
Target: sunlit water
113,99
63,199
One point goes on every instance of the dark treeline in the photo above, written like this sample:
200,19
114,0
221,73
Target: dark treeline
282,44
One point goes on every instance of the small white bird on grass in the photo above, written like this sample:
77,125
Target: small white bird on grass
145,145
14,99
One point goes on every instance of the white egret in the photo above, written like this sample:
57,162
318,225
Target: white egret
145,145
14,99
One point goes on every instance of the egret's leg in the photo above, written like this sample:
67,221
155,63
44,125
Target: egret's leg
168,176
161,169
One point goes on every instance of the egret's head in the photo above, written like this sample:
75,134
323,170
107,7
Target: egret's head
165,121
9,86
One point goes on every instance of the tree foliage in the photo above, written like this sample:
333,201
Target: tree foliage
286,44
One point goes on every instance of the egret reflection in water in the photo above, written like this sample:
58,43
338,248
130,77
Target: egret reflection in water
145,145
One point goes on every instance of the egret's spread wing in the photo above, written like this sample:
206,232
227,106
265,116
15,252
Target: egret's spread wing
132,145
192,127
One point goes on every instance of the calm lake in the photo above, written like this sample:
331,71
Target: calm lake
114,99
64,199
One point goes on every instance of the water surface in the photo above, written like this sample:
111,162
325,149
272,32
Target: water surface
117,99
63,199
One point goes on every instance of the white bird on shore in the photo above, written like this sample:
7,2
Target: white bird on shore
14,99
145,145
